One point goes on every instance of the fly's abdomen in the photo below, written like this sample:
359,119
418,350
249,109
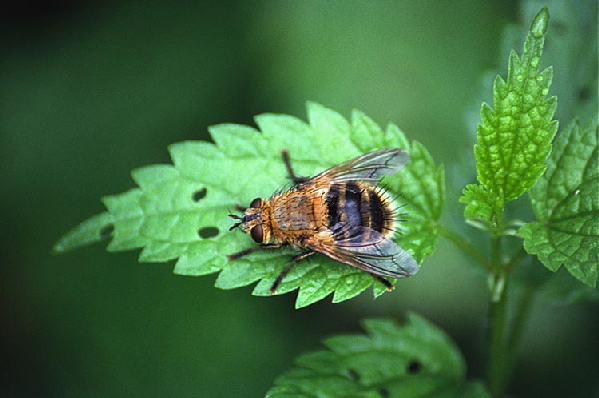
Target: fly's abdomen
355,204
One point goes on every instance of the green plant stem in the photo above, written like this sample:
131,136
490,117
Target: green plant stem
519,323
498,319
465,246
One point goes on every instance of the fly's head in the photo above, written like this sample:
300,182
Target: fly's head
251,222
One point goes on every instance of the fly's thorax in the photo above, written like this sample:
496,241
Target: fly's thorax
358,204
297,213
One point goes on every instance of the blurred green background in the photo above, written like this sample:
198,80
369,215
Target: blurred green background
93,90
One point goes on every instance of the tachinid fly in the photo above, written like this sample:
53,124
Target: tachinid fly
340,213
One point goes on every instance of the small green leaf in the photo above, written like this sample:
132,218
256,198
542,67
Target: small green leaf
566,203
181,211
478,203
415,360
514,139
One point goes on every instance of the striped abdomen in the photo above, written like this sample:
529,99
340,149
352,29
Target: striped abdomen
356,204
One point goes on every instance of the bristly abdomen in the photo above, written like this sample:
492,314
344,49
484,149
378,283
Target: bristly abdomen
361,205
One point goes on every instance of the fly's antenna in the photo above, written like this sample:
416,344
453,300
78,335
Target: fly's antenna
235,217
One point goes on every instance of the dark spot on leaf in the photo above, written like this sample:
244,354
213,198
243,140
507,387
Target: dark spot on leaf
383,392
199,194
353,374
106,231
584,93
414,367
208,232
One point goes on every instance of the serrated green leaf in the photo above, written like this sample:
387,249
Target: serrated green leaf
414,360
566,203
514,139
180,211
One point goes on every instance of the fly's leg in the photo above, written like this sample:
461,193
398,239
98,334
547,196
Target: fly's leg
384,281
273,289
245,252
296,180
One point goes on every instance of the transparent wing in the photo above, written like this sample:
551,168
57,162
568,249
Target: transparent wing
369,167
370,251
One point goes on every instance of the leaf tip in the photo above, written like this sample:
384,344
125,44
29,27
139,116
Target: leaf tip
539,24
94,229
58,247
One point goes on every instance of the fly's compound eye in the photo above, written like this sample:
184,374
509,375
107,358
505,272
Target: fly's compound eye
256,233
256,203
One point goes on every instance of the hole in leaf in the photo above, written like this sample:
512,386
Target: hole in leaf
414,367
208,232
353,374
199,194
383,392
106,231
